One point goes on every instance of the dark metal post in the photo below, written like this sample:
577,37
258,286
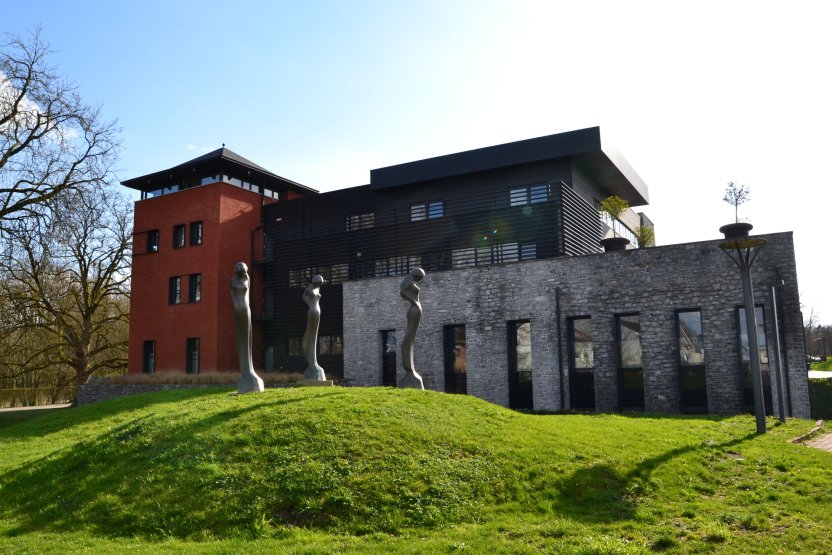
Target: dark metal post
744,249
778,367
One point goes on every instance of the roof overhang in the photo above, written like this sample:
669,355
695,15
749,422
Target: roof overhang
220,161
602,163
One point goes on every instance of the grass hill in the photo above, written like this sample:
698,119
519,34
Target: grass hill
322,470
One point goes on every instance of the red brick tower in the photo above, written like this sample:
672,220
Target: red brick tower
192,224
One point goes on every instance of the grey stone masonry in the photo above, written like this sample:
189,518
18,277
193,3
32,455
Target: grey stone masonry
654,283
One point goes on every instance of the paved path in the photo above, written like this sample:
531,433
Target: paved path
39,407
819,374
823,442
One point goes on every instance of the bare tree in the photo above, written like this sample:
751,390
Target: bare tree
67,281
50,140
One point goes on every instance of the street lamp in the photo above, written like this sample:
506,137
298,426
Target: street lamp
743,251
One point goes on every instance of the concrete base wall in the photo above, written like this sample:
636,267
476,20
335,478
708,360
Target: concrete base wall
654,283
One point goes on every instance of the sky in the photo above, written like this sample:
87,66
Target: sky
693,94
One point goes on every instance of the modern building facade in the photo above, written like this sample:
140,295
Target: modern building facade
521,305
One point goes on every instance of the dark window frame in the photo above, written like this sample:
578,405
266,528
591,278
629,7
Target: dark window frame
149,356
456,380
625,399
153,240
196,233
179,236
192,355
194,288
175,290
521,395
745,365
694,401
583,375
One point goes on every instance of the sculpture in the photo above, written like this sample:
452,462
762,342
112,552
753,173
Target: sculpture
249,381
312,297
410,292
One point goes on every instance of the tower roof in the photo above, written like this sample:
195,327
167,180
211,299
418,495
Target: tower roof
223,161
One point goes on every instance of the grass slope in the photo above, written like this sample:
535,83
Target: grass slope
319,470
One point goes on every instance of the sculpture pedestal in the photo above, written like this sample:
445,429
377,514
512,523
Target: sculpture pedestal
316,383
250,383
411,380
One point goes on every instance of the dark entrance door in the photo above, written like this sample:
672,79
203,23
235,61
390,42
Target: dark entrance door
388,358
520,365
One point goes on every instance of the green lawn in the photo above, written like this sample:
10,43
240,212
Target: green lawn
368,470
13,417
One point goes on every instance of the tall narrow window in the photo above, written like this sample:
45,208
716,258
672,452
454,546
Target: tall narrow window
293,347
630,370
153,240
194,288
456,365
196,233
192,355
149,357
388,358
581,364
179,236
520,365
691,361
748,391
175,290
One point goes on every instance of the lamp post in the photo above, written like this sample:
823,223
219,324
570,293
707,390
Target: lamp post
743,251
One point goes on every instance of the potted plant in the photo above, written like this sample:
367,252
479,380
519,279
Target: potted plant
614,206
645,236
736,195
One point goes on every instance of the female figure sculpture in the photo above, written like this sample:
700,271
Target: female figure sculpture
240,284
309,344
410,292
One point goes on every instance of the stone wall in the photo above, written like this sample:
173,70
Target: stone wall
94,392
654,283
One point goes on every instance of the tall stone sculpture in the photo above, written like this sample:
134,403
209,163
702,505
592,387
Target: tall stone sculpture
410,292
312,297
240,284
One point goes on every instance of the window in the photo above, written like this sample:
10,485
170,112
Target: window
528,251
463,258
330,345
196,233
194,288
520,365
179,236
691,361
455,360
430,210
531,194
293,347
388,358
748,388
149,357
192,355
175,290
366,220
397,265
153,240
630,371
581,363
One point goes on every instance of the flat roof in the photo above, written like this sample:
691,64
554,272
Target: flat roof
222,160
602,163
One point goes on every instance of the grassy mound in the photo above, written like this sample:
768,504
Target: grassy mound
216,465
368,469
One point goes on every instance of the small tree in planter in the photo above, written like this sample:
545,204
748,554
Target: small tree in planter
735,195
614,206
645,236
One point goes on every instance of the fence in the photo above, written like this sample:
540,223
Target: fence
34,396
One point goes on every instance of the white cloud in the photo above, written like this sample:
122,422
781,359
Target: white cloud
195,148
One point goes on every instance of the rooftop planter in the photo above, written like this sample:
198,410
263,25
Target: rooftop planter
615,244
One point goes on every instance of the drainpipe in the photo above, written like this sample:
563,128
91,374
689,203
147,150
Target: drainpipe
560,348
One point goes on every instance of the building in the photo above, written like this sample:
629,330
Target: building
192,224
521,305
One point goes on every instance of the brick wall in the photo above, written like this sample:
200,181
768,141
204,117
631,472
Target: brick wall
654,283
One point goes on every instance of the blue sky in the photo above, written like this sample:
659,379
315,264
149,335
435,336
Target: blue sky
693,94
